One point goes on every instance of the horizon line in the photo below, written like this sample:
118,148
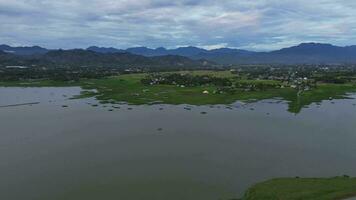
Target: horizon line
166,48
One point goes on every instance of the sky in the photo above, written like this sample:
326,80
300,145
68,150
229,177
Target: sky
260,25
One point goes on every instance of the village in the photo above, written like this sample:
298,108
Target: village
254,78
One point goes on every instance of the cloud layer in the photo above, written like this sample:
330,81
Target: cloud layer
257,25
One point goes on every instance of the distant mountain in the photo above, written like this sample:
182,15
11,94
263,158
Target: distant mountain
305,53
224,55
311,53
181,51
144,51
187,51
87,58
105,50
310,48
23,50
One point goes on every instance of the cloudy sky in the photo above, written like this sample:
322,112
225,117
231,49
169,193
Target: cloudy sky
248,24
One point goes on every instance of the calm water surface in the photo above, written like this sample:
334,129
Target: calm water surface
48,151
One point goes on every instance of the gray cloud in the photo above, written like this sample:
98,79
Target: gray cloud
258,25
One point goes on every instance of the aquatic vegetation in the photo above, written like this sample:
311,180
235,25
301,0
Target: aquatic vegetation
130,89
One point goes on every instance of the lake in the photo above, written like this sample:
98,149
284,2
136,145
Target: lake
54,147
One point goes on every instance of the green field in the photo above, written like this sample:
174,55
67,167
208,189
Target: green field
303,189
128,88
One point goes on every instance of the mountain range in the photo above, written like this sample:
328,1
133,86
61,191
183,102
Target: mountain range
87,58
190,51
23,50
305,53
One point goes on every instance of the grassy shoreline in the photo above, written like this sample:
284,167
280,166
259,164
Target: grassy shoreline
128,88
336,188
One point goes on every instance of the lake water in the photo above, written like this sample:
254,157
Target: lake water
156,152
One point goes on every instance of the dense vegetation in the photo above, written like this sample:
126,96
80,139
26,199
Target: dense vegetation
303,188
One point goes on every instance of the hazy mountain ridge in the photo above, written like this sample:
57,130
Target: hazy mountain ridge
23,50
144,51
305,53
105,50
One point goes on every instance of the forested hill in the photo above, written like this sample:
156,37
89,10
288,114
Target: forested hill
86,58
